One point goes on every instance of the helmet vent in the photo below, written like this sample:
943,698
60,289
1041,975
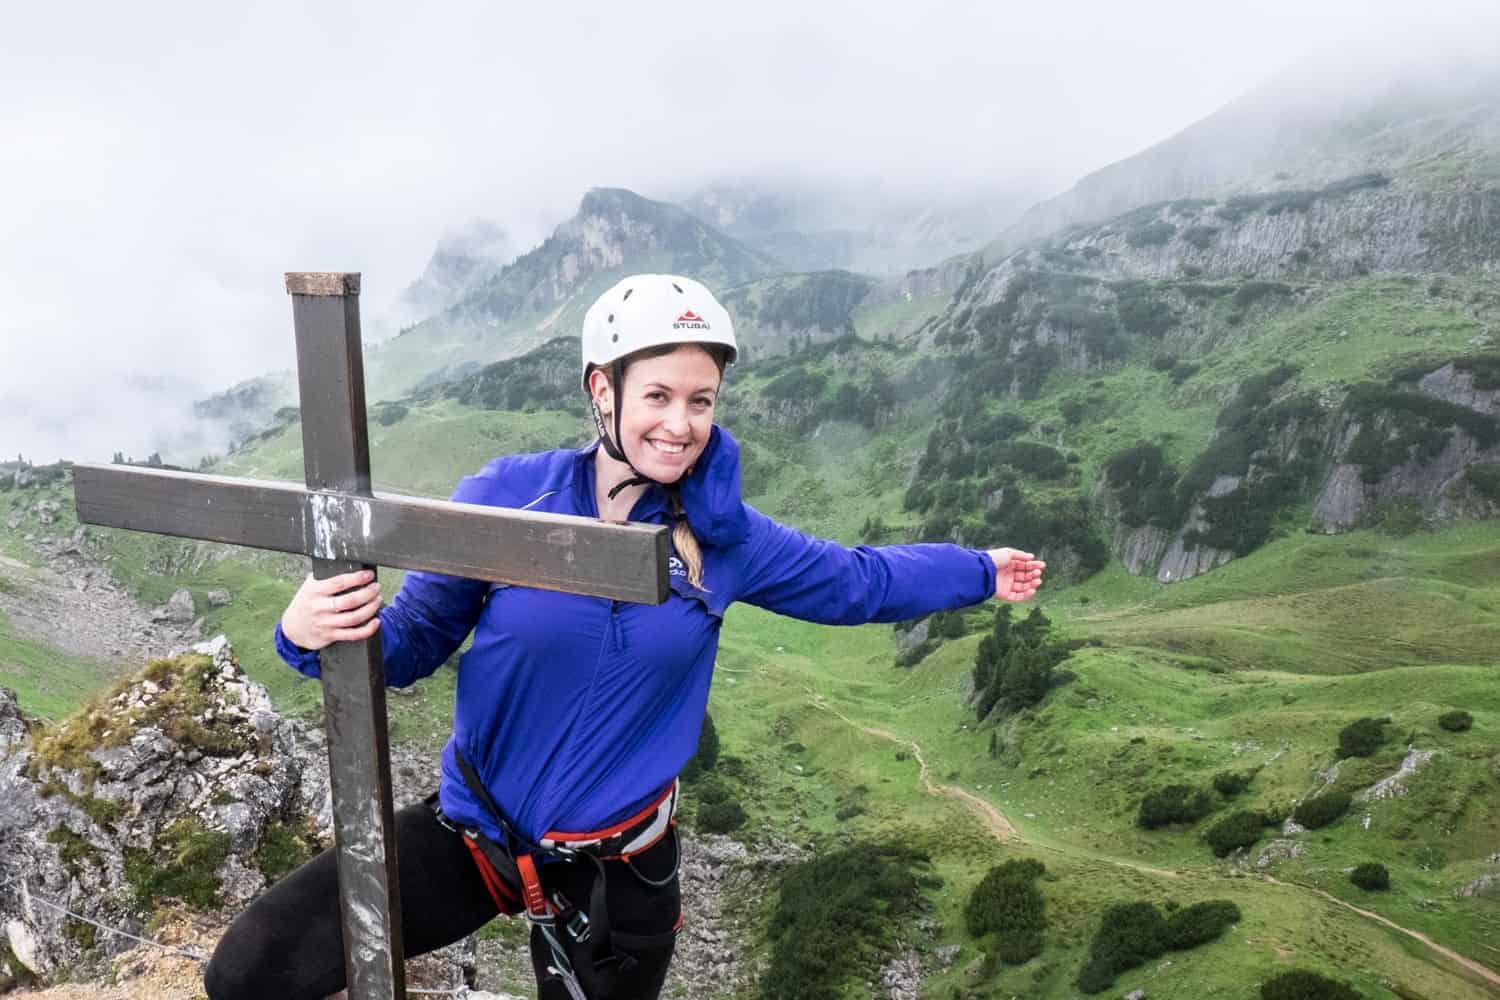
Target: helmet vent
614,338
679,288
611,318
627,293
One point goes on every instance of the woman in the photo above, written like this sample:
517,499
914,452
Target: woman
574,714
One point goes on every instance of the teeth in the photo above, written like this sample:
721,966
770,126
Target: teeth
671,449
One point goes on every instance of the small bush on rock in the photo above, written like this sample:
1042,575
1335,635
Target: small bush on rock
1320,810
1238,829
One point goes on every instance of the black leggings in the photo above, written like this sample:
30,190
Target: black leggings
289,943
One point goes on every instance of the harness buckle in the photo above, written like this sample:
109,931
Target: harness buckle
578,926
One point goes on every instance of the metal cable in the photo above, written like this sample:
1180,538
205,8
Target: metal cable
195,955
31,894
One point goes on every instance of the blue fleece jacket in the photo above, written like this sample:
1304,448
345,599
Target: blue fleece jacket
577,710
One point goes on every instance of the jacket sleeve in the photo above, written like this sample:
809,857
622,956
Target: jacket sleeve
816,580
427,621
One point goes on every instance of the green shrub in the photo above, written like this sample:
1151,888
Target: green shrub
1484,367
1321,810
1231,783
1200,923
1371,876
1142,312
837,916
796,384
1039,460
1252,292
721,817
909,658
1201,237
1239,829
1151,234
1173,804
1182,371
1361,737
1008,905
706,758
1484,479
1131,934
390,413
1299,984
1456,721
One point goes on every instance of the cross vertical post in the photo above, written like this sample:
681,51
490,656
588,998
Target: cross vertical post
336,456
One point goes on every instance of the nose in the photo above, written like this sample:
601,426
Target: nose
676,422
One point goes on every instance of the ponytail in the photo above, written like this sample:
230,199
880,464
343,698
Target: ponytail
685,542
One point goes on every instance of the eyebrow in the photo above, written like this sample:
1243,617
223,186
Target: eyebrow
662,385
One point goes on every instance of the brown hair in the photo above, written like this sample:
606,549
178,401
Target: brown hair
683,539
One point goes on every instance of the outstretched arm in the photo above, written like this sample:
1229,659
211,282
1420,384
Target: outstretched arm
817,580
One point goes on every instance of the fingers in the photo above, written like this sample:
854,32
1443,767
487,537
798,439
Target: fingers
339,584
1020,579
357,616
351,600
364,631
342,608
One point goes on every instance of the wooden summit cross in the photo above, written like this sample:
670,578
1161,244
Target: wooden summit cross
343,526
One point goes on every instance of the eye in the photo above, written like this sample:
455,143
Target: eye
703,402
656,395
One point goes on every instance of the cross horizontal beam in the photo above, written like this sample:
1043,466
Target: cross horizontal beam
580,555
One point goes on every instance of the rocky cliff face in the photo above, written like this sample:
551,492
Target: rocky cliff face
614,230
1392,229
1373,460
1438,483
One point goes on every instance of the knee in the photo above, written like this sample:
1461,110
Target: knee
219,982
235,970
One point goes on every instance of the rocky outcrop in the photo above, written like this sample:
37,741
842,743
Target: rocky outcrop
181,783
1437,484
1372,231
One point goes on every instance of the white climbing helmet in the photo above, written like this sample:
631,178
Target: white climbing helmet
647,310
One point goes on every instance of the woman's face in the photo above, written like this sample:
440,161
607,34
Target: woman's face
668,410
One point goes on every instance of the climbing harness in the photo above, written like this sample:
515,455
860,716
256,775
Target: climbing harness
508,868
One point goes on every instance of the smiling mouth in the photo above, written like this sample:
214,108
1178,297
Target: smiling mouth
667,447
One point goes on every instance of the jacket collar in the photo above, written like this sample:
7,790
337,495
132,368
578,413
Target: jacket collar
710,495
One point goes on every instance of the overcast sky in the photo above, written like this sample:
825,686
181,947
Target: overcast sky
161,164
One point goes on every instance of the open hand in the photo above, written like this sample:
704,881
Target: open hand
342,608
1017,574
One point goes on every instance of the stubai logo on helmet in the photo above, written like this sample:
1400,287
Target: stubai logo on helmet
690,321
